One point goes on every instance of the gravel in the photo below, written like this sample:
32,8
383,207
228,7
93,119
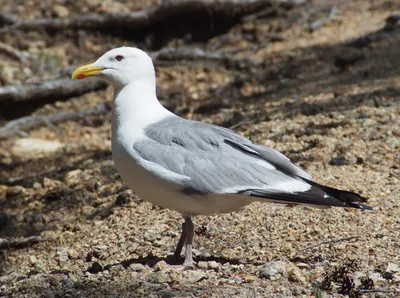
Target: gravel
341,124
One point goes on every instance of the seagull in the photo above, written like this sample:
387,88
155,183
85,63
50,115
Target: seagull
193,167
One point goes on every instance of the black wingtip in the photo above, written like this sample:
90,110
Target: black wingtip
317,195
348,198
364,207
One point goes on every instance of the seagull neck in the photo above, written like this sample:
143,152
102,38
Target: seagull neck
136,105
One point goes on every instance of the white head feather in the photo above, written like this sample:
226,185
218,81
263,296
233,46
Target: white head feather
124,65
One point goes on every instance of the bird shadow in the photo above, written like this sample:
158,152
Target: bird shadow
151,261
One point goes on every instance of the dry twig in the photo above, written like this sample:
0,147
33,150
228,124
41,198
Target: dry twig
392,24
21,243
64,73
331,241
8,19
163,13
23,124
379,291
193,54
176,54
54,89
12,52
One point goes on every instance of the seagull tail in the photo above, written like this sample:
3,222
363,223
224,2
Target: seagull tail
318,195
347,198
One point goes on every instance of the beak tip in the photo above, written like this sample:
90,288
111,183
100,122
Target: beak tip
78,76
86,71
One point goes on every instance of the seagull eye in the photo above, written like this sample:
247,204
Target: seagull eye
119,57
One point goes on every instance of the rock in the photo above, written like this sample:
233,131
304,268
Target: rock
339,161
33,259
162,266
8,74
92,4
238,280
202,265
123,198
87,210
236,268
37,185
358,278
273,270
101,252
295,274
73,254
302,265
392,268
159,277
377,278
113,7
49,234
73,177
213,265
3,192
14,191
33,148
137,267
396,277
100,247
201,76
317,24
193,276
63,255
60,11
249,278
116,269
52,184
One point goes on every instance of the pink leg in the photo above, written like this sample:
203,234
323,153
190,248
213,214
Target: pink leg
187,239
189,232
178,249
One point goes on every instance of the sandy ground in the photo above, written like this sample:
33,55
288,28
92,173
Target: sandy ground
333,109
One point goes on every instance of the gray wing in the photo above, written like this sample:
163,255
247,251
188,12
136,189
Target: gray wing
280,161
204,158
216,159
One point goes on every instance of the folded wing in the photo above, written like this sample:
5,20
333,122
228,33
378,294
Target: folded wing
212,159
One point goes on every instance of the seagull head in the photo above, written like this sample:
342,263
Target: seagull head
119,67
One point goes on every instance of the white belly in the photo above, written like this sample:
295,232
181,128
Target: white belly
167,195
143,183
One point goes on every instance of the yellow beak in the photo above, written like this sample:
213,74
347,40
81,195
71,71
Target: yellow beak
86,71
